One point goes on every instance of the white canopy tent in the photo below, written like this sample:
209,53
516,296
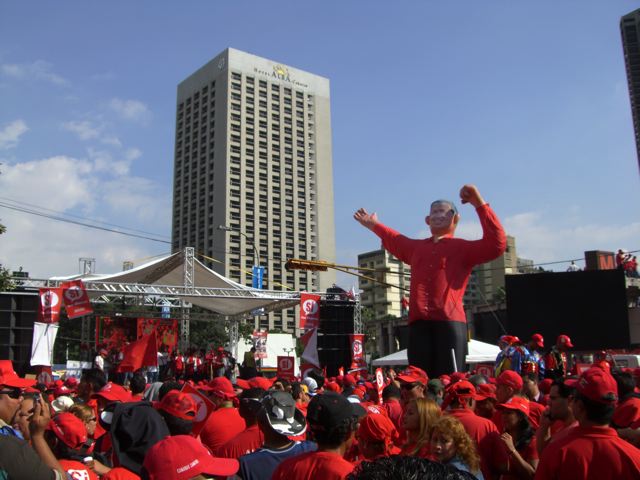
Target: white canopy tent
165,276
479,352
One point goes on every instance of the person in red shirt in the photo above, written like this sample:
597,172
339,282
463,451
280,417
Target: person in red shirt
225,422
557,420
391,403
509,384
592,450
459,402
485,400
66,436
332,422
413,384
518,439
251,438
628,409
441,266
420,415
179,411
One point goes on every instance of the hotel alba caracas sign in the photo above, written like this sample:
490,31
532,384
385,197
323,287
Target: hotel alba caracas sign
280,72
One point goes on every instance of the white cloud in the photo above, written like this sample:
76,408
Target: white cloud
84,129
103,161
40,70
11,133
47,247
133,110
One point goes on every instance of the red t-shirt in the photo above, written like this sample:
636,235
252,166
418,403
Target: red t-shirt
77,470
590,453
484,433
626,413
440,270
222,425
529,453
312,466
394,411
245,442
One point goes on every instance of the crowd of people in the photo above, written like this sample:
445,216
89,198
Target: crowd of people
526,421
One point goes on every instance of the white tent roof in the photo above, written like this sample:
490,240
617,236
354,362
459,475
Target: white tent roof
478,352
229,297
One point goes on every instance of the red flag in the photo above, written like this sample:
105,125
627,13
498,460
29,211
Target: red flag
50,303
76,300
141,353
309,311
205,408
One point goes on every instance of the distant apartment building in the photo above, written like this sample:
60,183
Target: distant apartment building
630,32
253,156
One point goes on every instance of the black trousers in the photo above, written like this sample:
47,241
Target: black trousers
430,344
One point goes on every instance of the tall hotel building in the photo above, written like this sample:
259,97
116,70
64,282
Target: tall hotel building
253,153
630,31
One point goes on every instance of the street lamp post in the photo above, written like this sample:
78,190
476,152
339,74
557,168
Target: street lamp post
256,255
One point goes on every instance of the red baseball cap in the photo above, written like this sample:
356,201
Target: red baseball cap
457,376
242,383
112,392
349,380
9,377
445,379
510,379
564,340
333,386
545,385
598,385
62,390
457,391
515,403
260,382
484,391
182,457
413,374
538,340
71,382
178,404
377,428
221,387
70,429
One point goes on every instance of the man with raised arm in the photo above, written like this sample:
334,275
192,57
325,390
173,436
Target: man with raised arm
440,269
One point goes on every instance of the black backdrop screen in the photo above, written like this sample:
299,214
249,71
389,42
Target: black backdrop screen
588,306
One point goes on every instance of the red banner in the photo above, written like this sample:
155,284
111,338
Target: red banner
309,311
76,300
379,384
50,303
166,331
205,408
286,367
357,350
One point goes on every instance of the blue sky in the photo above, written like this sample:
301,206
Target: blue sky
528,100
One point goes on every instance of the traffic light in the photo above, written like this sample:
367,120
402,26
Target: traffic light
298,264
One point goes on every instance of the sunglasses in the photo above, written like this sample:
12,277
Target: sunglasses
14,393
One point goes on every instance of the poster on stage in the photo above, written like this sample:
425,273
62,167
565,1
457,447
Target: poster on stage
166,331
260,343
50,303
76,300
309,311
113,333
286,367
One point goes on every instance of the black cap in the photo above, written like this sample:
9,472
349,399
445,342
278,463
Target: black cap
328,410
282,414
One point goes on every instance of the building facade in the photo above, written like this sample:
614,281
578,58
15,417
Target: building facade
630,31
253,155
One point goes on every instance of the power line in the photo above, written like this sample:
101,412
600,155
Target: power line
22,204
75,222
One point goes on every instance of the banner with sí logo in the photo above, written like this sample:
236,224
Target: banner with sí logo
50,303
379,384
76,300
286,367
357,349
309,311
